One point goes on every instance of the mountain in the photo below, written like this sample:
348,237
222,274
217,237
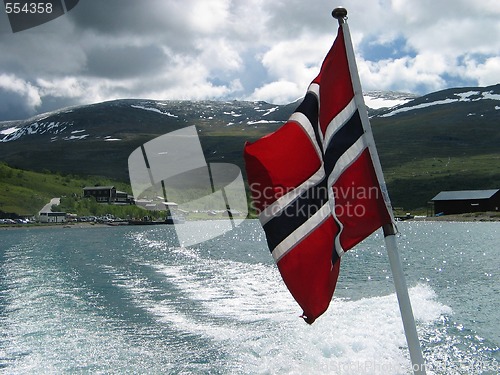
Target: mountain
97,139
376,100
447,140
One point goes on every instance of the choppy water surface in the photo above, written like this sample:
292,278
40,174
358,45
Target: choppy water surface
128,299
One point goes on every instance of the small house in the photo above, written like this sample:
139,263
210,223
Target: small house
52,217
123,198
464,201
102,194
108,194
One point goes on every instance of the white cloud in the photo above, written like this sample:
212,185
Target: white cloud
278,92
63,87
406,74
208,16
219,54
24,89
296,60
254,49
291,65
487,73
403,74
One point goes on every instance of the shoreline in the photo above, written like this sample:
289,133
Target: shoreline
53,225
469,217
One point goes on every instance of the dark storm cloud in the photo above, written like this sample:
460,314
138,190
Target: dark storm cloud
162,21
124,61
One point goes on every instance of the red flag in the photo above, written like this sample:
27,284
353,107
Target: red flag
316,186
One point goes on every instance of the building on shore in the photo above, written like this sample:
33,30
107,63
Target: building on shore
465,201
52,217
108,194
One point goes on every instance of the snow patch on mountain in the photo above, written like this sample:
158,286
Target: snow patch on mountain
263,122
386,99
232,113
468,96
9,130
13,133
75,137
154,110
269,111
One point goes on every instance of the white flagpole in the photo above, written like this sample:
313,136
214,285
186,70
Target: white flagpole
418,364
398,276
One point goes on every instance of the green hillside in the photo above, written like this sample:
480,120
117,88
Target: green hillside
446,147
26,192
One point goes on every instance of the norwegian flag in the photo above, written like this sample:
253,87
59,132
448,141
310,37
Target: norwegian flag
317,183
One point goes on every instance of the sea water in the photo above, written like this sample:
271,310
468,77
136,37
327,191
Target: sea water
115,300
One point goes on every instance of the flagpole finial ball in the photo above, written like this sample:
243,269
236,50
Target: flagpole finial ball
339,13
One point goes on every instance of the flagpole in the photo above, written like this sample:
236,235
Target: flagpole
398,276
418,364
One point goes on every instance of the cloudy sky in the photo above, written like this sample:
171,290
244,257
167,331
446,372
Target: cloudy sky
240,49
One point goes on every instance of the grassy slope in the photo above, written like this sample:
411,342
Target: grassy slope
26,192
416,166
442,150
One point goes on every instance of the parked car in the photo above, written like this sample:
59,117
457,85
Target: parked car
7,221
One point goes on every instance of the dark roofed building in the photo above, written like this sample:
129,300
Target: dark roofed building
102,194
463,201
107,194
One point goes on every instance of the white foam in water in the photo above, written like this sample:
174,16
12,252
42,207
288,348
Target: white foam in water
255,318
353,337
